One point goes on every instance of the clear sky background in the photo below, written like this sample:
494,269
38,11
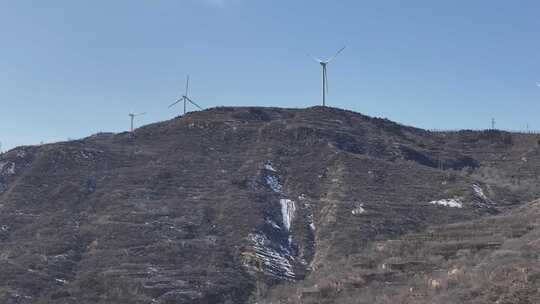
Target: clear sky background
72,68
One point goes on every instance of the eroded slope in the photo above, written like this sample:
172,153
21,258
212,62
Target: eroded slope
223,205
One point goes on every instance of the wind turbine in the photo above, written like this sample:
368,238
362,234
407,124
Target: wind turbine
133,115
323,64
185,98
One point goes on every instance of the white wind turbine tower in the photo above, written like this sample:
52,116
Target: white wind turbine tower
133,115
323,64
185,98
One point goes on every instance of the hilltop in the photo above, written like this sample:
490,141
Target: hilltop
244,204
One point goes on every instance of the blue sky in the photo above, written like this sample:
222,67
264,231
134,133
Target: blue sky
72,68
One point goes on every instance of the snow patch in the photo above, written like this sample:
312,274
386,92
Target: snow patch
7,168
271,178
451,203
276,261
86,155
21,154
60,256
310,219
309,214
479,192
358,210
268,166
288,208
481,200
273,182
273,224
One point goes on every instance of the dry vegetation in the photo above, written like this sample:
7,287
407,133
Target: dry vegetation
191,211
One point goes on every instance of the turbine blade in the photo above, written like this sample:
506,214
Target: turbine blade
187,85
316,59
338,52
538,84
176,102
193,103
139,114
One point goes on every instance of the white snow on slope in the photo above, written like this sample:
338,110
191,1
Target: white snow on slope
309,211
273,182
271,178
311,220
358,210
7,168
479,192
288,208
452,203
276,262
273,224
268,166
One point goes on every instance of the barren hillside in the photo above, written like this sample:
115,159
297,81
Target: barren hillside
245,205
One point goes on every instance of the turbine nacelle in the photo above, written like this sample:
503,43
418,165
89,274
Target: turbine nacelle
135,114
132,116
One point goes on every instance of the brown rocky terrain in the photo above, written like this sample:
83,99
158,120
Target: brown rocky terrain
488,260
267,205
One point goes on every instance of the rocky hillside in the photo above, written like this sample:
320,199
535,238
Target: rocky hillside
493,259
245,205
